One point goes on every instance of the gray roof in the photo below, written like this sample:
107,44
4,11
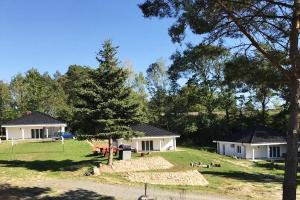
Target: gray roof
151,131
34,118
254,135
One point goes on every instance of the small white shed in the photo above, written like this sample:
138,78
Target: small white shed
258,143
33,125
154,139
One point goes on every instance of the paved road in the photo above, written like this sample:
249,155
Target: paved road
122,192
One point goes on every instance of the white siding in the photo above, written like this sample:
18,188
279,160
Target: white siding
165,143
283,149
260,152
16,132
231,150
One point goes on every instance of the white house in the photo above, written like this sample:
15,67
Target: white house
259,142
33,125
154,139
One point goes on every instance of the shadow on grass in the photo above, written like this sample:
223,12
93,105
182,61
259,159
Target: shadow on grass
49,165
202,148
12,192
245,176
271,165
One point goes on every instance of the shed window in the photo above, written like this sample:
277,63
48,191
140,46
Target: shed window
239,149
274,152
147,145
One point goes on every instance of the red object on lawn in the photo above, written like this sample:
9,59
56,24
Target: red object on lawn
101,149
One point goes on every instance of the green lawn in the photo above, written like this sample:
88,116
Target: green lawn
244,178
45,158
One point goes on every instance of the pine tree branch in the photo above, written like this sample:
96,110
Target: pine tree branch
232,16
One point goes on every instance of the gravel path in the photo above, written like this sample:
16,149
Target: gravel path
192,177
139,164
120,192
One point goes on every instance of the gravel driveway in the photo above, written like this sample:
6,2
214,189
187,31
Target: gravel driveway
90,190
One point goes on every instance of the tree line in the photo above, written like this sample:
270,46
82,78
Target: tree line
266,30
205,93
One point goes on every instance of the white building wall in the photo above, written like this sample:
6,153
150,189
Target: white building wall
164,143
167,144
16,132
231,149
261,151
283,148
248,150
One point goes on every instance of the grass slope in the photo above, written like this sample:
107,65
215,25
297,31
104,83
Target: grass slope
241,178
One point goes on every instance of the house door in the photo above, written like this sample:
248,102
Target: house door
147,145
274,152
223,149
37,133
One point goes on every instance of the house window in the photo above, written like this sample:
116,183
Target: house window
239,149
232,145
274,152
147,145
37,133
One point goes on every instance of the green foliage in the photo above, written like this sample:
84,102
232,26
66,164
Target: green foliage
106,107
6,109
38,92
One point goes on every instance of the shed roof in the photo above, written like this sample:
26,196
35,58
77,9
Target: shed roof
33,118
152,131
255,135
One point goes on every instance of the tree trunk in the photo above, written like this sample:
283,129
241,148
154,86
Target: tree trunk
263,111
227,114
291,160
110,154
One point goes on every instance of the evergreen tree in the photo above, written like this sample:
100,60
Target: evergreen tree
106,102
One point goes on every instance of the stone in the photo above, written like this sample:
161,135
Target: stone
96,171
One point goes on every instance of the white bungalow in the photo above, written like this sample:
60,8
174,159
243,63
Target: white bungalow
260,143
154,139
33,125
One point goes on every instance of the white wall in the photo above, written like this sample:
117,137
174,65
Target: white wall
16,133
164,143
231,151
261,152
167,143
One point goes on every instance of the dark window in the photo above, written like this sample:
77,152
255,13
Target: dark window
239,149
147,145
37,133
143,145
274,152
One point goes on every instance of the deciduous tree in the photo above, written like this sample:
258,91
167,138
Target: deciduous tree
249,25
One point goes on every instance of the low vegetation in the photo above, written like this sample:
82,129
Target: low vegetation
33,160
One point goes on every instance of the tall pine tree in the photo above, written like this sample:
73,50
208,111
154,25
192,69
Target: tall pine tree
106,102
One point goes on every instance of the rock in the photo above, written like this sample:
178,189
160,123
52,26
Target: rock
140,164
192,177
146,198
96,171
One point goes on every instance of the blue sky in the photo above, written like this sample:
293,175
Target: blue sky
50,35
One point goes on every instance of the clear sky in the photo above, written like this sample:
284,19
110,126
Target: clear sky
50,35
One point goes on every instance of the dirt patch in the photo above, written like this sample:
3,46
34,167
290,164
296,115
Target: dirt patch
140,164
169,178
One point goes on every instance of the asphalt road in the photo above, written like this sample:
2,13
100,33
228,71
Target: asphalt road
120,192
